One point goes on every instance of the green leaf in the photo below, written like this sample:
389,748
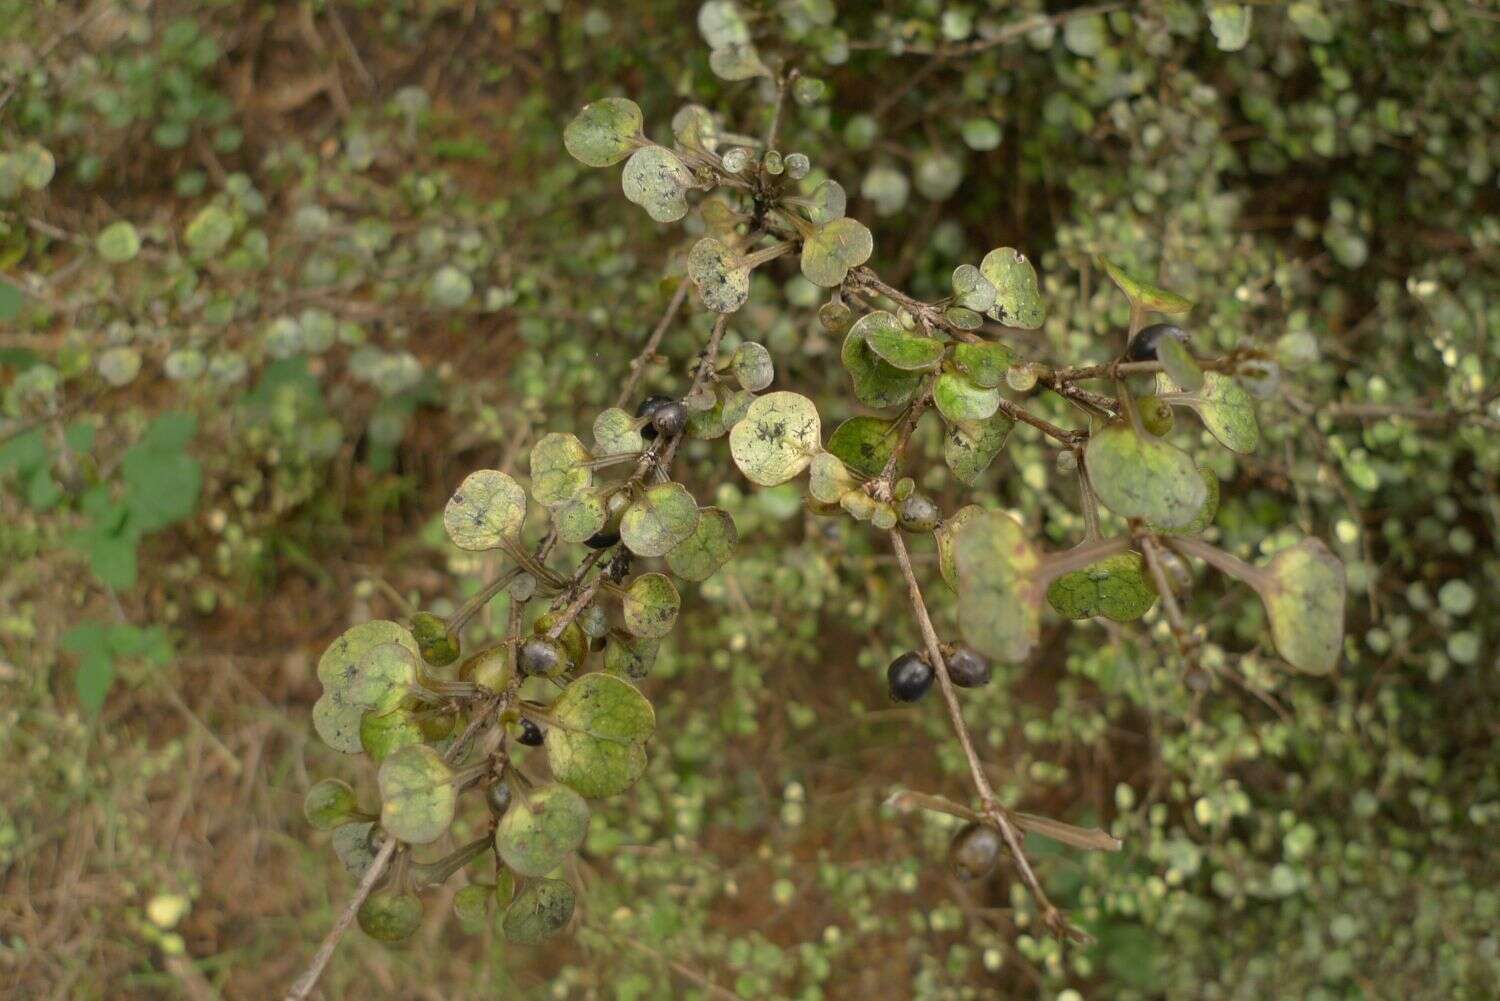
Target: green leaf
752,366
540,910
96,663
1018,298
328,804
615,433
382,732
944,535
663,517
118,242
1145,295
827,202
628,656
834,248
1116,587
712,544
1178,364
382,677
650,606
730,407
829,479
999,600
390,915
864,444
1304,600
112,557
972,290
11,302
487,509
162,482
542,828
958,399
209,232
604,132
906,351
1226,410
876,382
581,517
1144,477
1230,24
736,62
340,664
722,280
657,181
596,745
777,438
559,470
354,844
1206,514
970,446
984,364
337,721
417,795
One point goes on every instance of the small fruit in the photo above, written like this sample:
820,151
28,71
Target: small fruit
968,669
1156,414
918,513
488,669
670,418
531,734
574,643
434,642
1142,346
542,657
328,804
647,409
909,677
602,539
390,915
498,797
974,851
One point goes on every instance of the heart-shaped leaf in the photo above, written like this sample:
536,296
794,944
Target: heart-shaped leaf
970,446
876,382
723,282
1116,587
1144,477
984,364
328,804
615,433
700,555
417,795
559,470
833,248
1018,298
542,828
487,509
597,744
540,910
777,438
1144,294
958,399
656,180
972,290
906,351
1304,599
390,915
752,366
604,132
1226,410
999,600
864,444
650,606
382,732
659,521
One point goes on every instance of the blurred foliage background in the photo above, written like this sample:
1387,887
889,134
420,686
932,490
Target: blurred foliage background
277,275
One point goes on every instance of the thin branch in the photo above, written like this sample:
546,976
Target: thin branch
638,364
304,984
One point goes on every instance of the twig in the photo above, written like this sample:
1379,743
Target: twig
304,984
638,364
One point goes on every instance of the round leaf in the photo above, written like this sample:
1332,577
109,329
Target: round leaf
337,721
984,364
487,508
580,517
1144,477
340,663
1226,410
615,433
999,602
752,366
827,203
1116,587
328,804
416,795
970,446
118,242
722,281
650,606
1144,294
958,399
383,677
700,555
354,844
657,181
660,520
729,408
1018,299
1206,514
604,132
559,470
906,351
542,829
876,383
834,248
1304,600
944,536
777,438
629,657
596,745
540,910
972,290
736,62
864,444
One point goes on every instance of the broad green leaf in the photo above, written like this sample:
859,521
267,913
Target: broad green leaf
999,600
118,242
340,663
540,910
730,406
970,446
596,745
382,732
656,180
752,366
36,165
958,399
1018,298
906,351
628,656
1206,514
1116,587
650,606
383,677
722,279
972,290
604,132
11,301
209,232
580,517
944,535
615,433
471,906
1144,477
712,544
1144,294
827,203
984,364
1179,364
1226,410
663,516
876,383
864,444
736,62
722,23
828,479
487,509
962,318
559,470
390,915
834,248
337,721
937,174
417,795
328,804
1304,600
542,828
354,844
1230,24
777,438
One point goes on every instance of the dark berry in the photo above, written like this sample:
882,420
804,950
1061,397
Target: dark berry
1142,346
498,797
531,734
541,656
648,408
669,418
974,851
909,677
602,540
968,669
919,514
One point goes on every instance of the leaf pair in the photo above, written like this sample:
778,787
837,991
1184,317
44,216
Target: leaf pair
369,667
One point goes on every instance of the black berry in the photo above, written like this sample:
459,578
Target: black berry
648,408
602,540
1142,346
531,734
968,669
909,677
669,418
498,797
974,851
541,656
